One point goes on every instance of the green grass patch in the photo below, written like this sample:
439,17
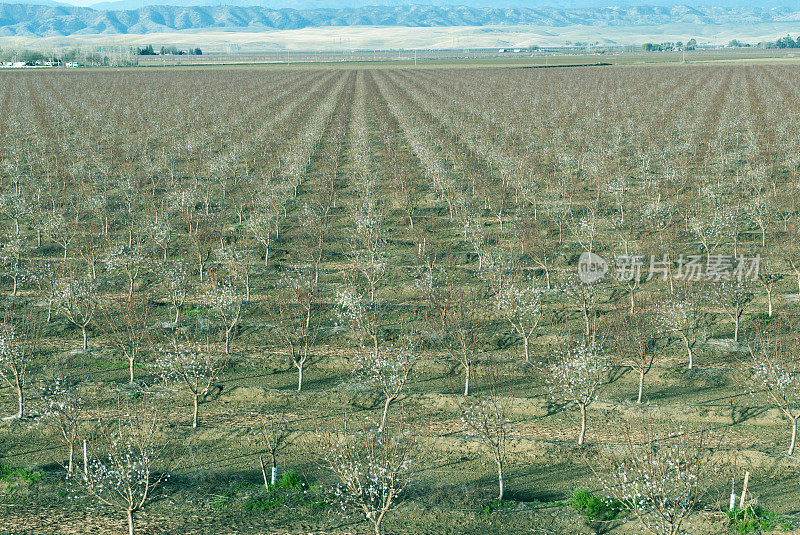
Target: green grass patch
593,508
9,474
755,518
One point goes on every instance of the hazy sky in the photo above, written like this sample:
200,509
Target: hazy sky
495,3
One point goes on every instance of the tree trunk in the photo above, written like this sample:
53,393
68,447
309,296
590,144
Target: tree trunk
130,522
389,400
194,414
769,300
736,328
227,341
500,480
582,436
586,319
299,377
83,331
466,380
641,385
794,436
688,350
130,364
527,351
20,402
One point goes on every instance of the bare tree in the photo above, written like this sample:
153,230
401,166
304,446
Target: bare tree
190,369
488,421
374,469
203,235
636,342
265,219
124,469
767,279
586,297
126,327
62,411
238,266
733,296
159,231
177,284
17,345
575,377
776,375
59,229
297,322
521,306
388,370
76,297
660,478
455,316
225,304
273,435
683,314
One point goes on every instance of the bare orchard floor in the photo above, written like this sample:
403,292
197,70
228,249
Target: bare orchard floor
248,210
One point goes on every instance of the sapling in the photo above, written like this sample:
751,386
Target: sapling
225,303
190,369
734,296
77,299
160,232
575,377
776,374
128,260
11,260
636,342
373,468
177,284
123,464
521,306
15,357
273,435
661,477
62,410
388,371
297,322
684,315
59,229
361,314
488,421
125,325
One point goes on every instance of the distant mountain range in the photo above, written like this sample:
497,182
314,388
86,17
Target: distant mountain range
59,20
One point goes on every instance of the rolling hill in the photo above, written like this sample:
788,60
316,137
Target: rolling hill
48,21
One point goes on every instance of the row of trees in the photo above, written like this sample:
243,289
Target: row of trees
391,216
